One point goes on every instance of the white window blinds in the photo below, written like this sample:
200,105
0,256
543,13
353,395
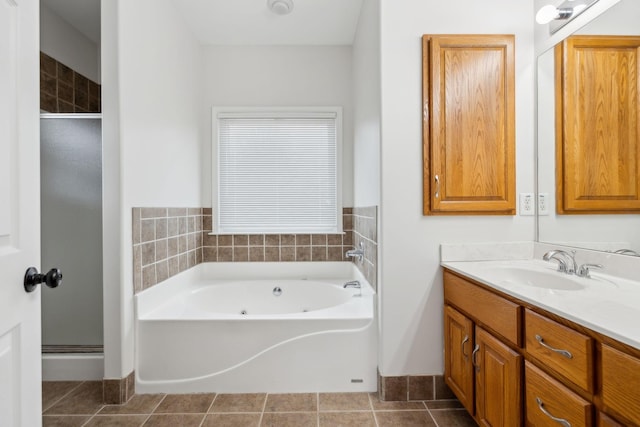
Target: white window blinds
277,172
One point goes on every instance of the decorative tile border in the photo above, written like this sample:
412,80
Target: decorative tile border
413,387
63,90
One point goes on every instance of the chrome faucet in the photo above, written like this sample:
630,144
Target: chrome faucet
566,261
584,271
356,253
354,284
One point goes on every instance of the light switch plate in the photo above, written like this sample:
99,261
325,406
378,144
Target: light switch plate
527,204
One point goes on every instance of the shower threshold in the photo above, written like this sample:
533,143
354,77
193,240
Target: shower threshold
66,349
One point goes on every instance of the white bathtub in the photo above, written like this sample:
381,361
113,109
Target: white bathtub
257,327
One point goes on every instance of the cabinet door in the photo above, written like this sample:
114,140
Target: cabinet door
598,134
468,128
458,344
498,382
621,384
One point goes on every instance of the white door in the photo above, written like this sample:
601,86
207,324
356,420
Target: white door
20,361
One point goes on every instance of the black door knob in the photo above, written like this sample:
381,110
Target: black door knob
32,278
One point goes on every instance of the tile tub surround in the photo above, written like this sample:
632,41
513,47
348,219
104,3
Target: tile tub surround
364,223
62,90
276,247
77,404
167,241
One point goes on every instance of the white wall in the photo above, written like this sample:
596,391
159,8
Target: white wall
279,76
157,90
411,279
366,106
64,43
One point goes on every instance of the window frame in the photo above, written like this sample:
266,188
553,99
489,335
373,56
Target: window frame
287,112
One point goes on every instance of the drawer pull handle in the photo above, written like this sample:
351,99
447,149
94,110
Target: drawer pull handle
464,341
437,178
473,357
565,353
560,421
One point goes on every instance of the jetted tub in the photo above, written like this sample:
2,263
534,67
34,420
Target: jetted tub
257,327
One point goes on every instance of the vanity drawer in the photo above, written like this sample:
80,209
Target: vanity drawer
621,383
485,307
547,398
562,349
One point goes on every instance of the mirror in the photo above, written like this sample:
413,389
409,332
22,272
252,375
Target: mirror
606,232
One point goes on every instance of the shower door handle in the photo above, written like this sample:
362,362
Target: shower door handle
32,278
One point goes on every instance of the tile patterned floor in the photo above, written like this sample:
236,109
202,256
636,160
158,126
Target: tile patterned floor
78,404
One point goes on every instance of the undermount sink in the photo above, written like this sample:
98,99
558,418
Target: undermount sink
538,278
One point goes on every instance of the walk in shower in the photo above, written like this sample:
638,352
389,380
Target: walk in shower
71,221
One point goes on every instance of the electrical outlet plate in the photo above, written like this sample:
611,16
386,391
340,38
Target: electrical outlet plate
543,203
527,204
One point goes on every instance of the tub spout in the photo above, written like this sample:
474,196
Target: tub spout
352,284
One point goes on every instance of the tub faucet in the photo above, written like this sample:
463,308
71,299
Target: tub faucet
356,253
354,284
566,261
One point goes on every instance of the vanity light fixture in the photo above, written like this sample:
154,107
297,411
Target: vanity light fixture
280,7
558,16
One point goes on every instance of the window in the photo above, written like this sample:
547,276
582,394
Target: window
277,171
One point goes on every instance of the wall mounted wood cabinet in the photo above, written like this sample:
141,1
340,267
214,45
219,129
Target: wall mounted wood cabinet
597,125
468,124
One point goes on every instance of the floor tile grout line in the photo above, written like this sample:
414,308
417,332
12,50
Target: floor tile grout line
264,407
432,417
375,419
63,396
211,404
164,396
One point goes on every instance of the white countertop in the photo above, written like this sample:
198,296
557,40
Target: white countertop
606,304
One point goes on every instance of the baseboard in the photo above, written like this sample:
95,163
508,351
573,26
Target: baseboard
72,367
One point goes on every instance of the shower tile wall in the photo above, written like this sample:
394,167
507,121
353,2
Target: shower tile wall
365,229
62,90
167,241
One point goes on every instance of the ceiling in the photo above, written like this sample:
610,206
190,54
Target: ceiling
83,15
239,22
249,22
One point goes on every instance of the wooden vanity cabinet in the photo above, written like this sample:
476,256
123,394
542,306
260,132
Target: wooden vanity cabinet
512,363
469,124
481,368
